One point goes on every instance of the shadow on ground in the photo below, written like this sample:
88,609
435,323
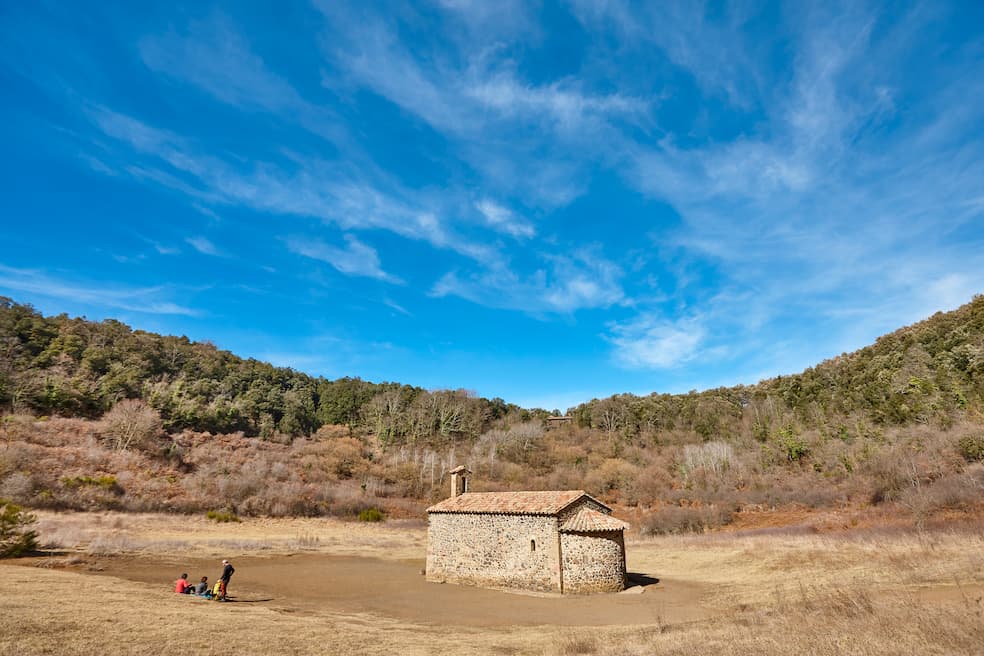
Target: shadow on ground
248,601
638,579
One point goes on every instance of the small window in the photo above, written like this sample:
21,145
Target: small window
532,545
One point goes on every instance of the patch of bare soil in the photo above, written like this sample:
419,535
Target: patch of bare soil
397,589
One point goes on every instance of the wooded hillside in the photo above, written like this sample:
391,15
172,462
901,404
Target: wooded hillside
98,415
72,367
930,373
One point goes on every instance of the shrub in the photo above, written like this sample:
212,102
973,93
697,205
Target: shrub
106,482
955,491
371,515
131,422
791,445
971,447
222,516
611,474
674,519
344,457
15,536
19,486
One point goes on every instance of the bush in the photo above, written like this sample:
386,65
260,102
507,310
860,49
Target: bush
131,422
371,515
107,482
791,445
674,519
971,447
222,516
15,536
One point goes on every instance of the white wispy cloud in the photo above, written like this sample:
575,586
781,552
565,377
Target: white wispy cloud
839,197
203,246
456,99
164,250
147,300
212,55
504,220
711,50
571,283
466,92
567,106
355,259
396,306
655,342
312,187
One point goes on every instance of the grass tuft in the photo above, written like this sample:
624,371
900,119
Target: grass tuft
371,515
222,516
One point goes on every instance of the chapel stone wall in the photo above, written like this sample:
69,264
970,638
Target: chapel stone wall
494,550
593,562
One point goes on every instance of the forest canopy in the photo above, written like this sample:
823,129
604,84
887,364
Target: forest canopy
925,373
74,367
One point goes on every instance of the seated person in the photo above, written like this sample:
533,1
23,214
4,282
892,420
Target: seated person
181,586
202,586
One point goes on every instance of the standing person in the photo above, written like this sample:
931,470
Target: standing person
227,571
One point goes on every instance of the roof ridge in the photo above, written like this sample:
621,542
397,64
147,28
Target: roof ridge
532,502
588,520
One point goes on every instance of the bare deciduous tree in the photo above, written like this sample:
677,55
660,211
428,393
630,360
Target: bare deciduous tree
131,422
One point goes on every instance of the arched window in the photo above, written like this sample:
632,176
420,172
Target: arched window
532,545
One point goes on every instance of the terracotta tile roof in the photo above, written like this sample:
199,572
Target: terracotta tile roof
587,520
515,503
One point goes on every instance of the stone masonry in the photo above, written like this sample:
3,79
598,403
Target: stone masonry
544,541
593,562
494,550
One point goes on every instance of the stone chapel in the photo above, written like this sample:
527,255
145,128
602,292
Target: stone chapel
564,542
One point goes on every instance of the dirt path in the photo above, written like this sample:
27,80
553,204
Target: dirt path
396,589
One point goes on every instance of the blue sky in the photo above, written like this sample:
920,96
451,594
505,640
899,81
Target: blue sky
541,202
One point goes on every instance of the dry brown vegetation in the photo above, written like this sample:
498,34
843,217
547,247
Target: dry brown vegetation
663,483
897,426
867,591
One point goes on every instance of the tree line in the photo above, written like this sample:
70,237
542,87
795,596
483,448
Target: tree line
928,373
74,367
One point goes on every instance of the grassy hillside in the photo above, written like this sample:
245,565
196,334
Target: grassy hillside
100,416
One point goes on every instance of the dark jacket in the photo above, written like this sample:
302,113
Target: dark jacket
227,572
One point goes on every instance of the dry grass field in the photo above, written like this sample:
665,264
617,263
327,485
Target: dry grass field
307,586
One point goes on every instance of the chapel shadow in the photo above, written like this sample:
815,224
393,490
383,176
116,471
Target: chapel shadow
638,579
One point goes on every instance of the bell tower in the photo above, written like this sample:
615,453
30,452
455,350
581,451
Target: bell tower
459,480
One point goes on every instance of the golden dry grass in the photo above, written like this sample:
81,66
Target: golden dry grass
177,535
750,570
858,593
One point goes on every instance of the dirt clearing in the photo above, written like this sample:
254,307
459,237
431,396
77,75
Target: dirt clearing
397,589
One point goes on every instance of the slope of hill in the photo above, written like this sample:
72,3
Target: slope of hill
930,373
187,427
72,367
